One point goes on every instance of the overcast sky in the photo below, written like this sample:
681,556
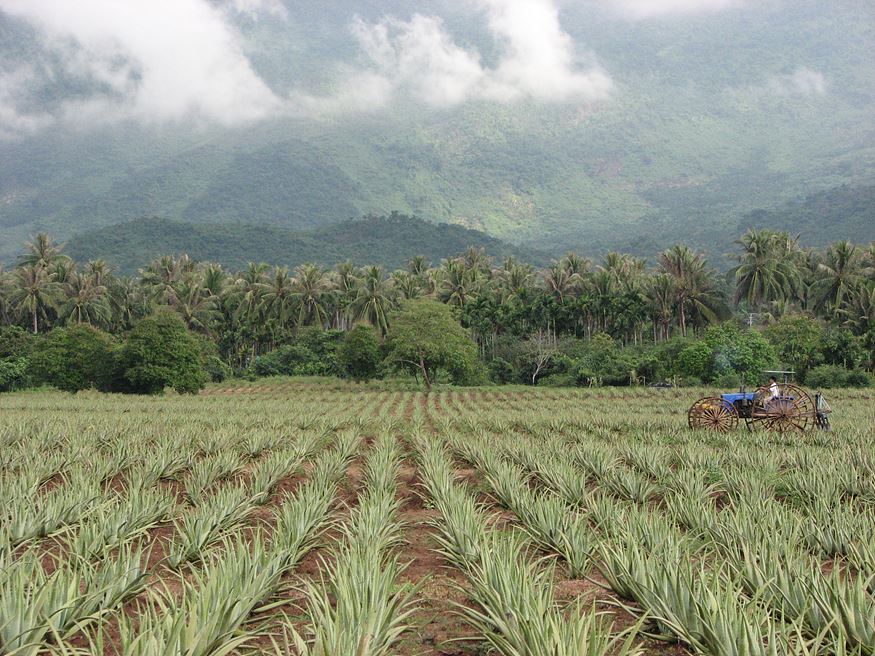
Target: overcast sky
158,61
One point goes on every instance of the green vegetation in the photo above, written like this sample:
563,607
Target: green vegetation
377,240
76,358
693,140
425,338
313,352
160,352
181,322
396,521
358,354
845,212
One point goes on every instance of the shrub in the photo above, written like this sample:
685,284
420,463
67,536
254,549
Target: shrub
501,372
727,349
323,345
160,352
796,340
312,353
840,346
601,361
74,358
359,353
686,381
831,375
288,360
13,374
216,368
16,342
729,380
558,380
827,375
858,378
696,361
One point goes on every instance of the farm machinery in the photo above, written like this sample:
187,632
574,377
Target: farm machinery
781,407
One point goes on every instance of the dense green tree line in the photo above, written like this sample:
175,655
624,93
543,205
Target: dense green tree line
575,321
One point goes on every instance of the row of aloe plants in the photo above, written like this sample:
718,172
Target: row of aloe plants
515,611
843,616
358,607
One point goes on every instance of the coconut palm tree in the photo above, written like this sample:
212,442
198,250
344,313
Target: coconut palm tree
417,265
476,259
859,316
214,279
85,301
277,299
160,275
693,283
457,282
768,269
312,290
42,252
246,292
602,291
512,280
4,294
840,271
194,304
406,284
98,271
623,269
576,264
345,282
33,293
859,313
62,270
561,281
374,299
662,297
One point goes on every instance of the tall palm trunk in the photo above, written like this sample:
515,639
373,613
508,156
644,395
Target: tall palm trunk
682,315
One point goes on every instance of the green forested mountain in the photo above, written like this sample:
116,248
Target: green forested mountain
840,213
389,241
711,116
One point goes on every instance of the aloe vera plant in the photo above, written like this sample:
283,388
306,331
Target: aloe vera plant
358,608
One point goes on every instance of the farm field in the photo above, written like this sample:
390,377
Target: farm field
317,518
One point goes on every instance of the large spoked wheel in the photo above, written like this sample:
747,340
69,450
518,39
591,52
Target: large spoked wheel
791,411
713,413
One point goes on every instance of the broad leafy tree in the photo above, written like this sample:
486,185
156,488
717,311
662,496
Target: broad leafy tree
160,352
425,338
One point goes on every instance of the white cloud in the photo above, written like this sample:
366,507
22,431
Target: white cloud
14,121
155,60
643,9
803,81
359,91
254,8
807,81
421,55
537,58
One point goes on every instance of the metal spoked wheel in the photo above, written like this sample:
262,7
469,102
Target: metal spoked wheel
791,411
713,413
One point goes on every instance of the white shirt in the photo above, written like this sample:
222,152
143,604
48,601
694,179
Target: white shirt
775,390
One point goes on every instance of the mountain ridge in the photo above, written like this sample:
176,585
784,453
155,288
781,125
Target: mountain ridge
387,241
709,120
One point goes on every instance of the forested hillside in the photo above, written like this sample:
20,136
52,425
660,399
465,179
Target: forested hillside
840,213
388,241
710,116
